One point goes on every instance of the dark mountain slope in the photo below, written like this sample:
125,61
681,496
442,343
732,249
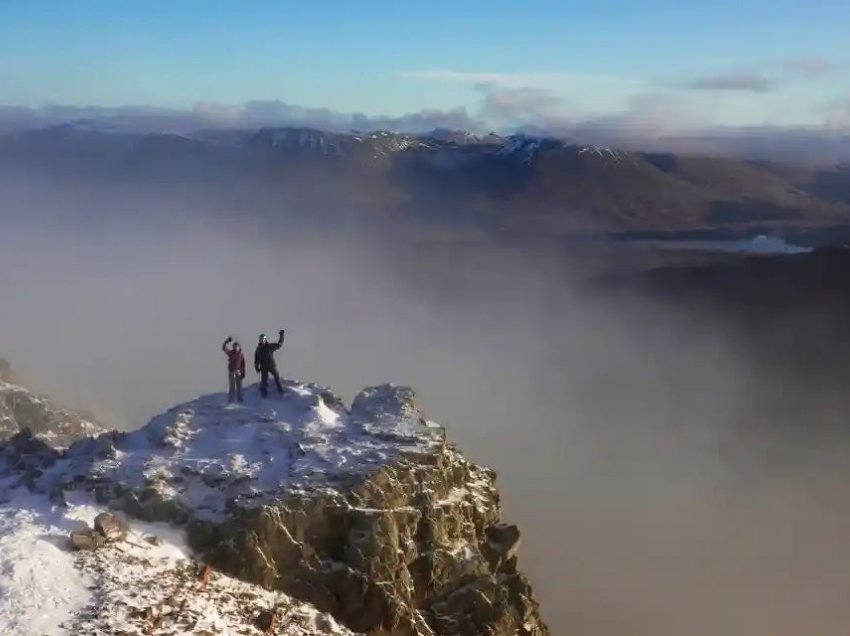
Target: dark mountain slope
502,184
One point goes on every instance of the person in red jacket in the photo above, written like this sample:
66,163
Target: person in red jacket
235,369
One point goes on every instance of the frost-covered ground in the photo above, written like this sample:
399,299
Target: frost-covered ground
134,587
40,585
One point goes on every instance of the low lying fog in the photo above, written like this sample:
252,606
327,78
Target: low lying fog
634,441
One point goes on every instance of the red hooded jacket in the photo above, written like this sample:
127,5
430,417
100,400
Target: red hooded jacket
235,359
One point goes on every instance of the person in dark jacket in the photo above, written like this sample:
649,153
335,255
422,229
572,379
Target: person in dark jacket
264,363
235,369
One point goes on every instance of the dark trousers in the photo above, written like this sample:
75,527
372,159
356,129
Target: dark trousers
234,386
264,380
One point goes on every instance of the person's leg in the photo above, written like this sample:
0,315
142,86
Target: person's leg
277,380
239,388
264,380
231,386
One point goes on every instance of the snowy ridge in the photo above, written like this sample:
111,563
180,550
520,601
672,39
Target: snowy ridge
604,153
305,138
450,146
444,148
522,146
207,455
385,142
376,144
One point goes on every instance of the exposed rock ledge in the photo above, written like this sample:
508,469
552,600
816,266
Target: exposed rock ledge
366,512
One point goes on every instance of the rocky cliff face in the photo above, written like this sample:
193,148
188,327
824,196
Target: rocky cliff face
365,512
20,409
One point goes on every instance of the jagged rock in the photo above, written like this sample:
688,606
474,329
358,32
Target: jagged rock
87,539
151,504
502,543
266,620
22,410
24,444
111,527
367,513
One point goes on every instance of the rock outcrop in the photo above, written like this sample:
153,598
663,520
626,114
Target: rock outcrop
107,529
23,410
365,512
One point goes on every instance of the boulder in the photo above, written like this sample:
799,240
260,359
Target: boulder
111,527
503,541
87,539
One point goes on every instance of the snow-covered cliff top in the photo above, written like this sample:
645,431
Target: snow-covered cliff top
297,493
208,455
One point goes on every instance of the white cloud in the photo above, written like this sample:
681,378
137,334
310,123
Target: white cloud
768,78
213,115
521,106
813,67
552,80
465,77
745,81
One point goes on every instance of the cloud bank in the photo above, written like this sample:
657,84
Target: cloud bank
661,116
744,81
211,115
668,479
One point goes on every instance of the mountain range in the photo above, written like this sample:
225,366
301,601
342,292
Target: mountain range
515,185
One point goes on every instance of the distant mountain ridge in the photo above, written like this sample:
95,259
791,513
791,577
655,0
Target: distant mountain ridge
514,184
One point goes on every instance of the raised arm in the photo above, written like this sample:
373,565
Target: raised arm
279,342
226,342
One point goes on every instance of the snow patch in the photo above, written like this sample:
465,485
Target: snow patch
521,146
47,590
40,586
604,153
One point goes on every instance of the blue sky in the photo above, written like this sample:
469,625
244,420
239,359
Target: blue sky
745,62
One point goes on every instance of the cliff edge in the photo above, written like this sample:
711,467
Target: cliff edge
366,512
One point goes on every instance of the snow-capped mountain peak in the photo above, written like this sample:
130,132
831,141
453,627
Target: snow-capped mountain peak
603,152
